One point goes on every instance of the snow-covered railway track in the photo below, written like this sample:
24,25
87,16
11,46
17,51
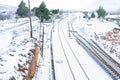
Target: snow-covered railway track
65,54
53,77
104,53
110,65
73,62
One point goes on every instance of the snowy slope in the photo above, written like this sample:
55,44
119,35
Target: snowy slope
7,12
16,48
6,8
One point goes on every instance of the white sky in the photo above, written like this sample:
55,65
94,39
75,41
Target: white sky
70,4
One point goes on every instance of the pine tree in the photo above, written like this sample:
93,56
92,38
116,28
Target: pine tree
55,11
93,15
46,14
42,12
22,10
101,13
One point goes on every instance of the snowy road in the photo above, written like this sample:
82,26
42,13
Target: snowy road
71,61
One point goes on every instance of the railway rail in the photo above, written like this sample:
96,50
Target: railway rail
99,55
110,65
60,28
52,57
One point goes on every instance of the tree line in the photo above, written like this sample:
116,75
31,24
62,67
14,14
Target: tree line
42,12
100,12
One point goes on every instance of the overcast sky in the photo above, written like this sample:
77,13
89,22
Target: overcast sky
70,4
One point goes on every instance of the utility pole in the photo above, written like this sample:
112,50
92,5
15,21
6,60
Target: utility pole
42,40
31,35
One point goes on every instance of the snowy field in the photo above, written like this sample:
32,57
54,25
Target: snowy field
16,46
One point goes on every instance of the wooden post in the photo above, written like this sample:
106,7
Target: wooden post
31,35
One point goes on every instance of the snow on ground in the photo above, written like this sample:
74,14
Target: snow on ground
13,23
16,48
61,66
43,71
16,43
101,32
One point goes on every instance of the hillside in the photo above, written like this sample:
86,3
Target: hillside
7,12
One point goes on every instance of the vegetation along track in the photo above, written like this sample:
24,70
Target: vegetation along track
109,64
72,53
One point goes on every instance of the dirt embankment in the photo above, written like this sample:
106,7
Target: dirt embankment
32,67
